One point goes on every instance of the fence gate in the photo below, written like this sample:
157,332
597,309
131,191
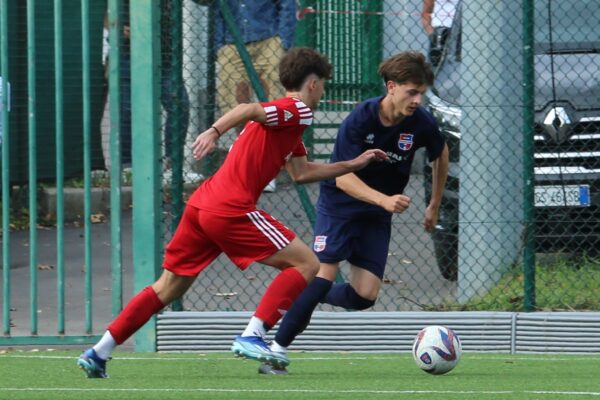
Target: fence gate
61,260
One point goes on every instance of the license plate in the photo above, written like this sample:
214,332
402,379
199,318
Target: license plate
561,196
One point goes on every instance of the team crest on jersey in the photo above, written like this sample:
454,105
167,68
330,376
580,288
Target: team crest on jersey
287,115
370,139
405,141
320,243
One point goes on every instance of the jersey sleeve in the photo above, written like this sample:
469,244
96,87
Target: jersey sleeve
300,150
435,142
286,114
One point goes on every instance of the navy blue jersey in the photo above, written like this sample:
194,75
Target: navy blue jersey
363,130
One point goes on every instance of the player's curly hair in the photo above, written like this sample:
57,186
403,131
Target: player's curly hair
408,66
298,63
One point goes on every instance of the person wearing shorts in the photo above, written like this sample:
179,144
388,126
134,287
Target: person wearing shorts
221,215
354,211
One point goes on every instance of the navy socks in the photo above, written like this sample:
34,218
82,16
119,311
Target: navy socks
298,316
318,291
344,295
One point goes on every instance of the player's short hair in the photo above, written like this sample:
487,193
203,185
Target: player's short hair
408,66
298,63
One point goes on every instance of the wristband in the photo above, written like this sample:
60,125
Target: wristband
218,131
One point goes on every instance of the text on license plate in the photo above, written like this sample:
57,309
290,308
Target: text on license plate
560,196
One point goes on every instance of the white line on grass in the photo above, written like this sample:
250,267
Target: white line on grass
309,391
508,357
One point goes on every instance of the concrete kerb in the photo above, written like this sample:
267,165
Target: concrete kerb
74,199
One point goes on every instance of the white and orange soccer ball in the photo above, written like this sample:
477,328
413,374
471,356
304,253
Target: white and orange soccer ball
437,349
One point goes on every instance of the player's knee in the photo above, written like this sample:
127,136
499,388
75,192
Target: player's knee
309,268
362,304
357,301
312,268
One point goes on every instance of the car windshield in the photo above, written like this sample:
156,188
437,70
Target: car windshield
574,26
574,29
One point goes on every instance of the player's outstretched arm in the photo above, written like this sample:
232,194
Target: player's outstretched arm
303,171
241,114
439,174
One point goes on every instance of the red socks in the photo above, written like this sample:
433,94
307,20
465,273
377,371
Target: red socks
279,296
135,314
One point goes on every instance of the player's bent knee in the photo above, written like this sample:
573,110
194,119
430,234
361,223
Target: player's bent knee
357,301
309,266
363,304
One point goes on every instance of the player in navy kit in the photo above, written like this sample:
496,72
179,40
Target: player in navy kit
354,211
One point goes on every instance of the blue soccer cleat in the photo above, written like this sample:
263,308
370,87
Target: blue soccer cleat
255,348
94,366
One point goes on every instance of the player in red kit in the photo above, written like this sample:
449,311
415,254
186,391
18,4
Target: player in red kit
221,216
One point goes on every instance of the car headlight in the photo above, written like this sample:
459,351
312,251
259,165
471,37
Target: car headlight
447,115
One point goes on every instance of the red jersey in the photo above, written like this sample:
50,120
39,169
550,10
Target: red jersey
255,158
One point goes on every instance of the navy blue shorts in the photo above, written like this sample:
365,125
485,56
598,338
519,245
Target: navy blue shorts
362,241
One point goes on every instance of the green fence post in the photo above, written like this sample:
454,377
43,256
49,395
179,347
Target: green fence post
528,161
32,152
115,26
5,169
175,129
147,237
176,139
60,219
87,169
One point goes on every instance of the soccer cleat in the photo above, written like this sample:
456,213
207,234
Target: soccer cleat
280,360
94,366
255,348
268,369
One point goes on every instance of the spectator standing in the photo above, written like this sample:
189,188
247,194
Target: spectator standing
437,20
267,30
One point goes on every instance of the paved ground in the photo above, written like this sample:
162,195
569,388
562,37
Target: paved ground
412,277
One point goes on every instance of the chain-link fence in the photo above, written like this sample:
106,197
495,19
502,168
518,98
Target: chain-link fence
515,94
498,152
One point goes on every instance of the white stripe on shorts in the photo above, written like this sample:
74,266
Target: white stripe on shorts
269,230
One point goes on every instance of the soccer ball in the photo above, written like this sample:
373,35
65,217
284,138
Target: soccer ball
436,349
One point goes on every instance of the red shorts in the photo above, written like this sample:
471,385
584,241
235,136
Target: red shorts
201,236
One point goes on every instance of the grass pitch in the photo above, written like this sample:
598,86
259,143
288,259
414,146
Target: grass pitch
54,375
